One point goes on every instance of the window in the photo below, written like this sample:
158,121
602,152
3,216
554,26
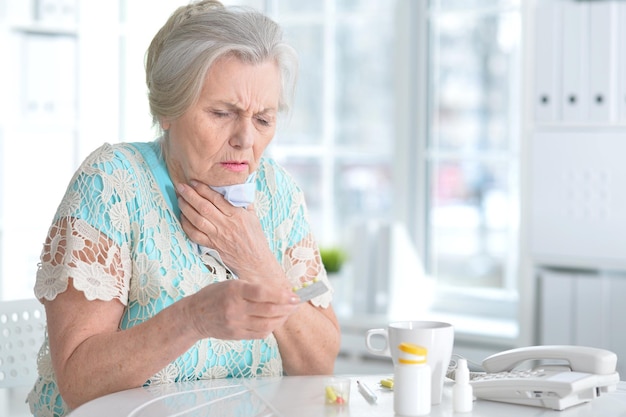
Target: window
472,141
406,113
339,141
37,132
457,172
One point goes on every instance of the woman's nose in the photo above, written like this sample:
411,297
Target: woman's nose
243,134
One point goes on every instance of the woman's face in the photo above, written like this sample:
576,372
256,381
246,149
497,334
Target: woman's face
220,139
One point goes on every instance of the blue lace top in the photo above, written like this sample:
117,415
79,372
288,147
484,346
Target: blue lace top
120,207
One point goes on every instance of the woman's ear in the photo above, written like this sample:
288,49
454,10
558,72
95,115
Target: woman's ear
165,123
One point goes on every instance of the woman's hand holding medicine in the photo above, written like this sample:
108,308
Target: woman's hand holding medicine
236,309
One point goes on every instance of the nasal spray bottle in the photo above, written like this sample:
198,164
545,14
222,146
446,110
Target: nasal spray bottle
411,381
462,392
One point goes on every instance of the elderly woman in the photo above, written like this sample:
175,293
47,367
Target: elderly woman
175,260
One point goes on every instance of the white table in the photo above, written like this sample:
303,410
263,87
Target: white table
304,397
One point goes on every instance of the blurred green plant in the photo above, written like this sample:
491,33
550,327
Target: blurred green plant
333,258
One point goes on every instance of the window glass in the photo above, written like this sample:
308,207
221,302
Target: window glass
305,123
300,7
343,117
363,191
476,60
472,147
473,219
472,4
307,173
364,90
361,7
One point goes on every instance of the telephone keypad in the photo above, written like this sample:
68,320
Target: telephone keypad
517,374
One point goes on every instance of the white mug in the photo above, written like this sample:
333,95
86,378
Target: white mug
437,337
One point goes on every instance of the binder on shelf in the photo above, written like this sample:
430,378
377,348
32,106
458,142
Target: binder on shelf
575,29
602,60
17,11
590,317
48,86
38,89
575,307
621,54
556,304
56,12
617,311
547,61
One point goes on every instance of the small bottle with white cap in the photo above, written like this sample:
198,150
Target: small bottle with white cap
462,392
411,381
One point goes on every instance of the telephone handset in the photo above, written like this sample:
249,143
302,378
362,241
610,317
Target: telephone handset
581,358
589,373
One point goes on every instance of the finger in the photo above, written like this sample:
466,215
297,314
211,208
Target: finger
194,233
257,319
201,204
268,312
197,216
195,225
259,293
267,303
204,192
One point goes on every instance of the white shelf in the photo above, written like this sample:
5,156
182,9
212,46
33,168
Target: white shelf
45,29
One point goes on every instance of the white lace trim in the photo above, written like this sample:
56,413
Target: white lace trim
76,250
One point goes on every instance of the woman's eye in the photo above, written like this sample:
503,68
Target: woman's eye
263,121
220,114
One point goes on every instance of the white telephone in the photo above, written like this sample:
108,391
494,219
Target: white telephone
590,373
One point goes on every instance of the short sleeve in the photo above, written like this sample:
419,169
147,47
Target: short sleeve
88,239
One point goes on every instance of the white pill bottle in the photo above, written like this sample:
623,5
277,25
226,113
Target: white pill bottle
411,381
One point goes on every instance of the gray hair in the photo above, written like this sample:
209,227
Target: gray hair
198,34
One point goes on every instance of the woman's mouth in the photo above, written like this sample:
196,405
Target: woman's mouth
235,166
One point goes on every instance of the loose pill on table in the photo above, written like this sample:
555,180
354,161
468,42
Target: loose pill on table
331,397
387,383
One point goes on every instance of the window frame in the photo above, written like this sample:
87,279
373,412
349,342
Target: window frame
500,306
412,156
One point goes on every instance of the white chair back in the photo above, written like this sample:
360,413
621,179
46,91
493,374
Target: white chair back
22,330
